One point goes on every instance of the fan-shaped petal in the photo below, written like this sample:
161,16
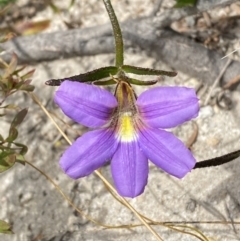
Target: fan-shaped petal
167,107
88,153
86,104
129,169
166,152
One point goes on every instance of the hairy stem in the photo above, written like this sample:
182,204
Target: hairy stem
116,32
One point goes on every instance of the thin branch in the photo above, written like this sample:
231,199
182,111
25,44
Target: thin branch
216,82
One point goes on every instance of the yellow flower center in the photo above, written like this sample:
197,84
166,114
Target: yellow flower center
125,115
126,131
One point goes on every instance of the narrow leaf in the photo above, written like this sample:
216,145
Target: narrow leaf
71,3
28,28
3,3
23,150
29,88
91,76
5,227
3,63
28,74
104,82
18,84
13,134
7,160
146,71
54,7
185,3
19,69
5,148
19,118
10,107
11,67
141,82
20,159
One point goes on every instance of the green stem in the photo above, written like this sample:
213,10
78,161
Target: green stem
116,32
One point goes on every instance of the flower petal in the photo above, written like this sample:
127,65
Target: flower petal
88,153
86,104
166,107
166,151
129,169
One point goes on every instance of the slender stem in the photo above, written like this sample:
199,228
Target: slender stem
128,205
73,205
116,32
35,98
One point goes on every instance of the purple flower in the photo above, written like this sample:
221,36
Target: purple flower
127,132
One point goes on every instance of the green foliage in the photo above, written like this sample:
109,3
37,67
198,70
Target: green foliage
90,76
12,80
3,3
11,151
146,71
185,3
5,227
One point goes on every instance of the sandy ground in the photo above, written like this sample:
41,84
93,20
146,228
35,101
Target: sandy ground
38,212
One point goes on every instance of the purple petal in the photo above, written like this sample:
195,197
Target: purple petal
86,104
166,152
166,107
129,169
88,153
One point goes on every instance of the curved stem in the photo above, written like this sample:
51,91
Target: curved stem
116,32
217,161
129,206
74,206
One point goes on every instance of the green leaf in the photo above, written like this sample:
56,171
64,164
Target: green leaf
5,2
91,76
20,159
18,84
6,148
54,7
71,3
13,134
3,85
146,71
185,3
5,227
141,82
17,71
7,160
10,106
28,74
24,148
104,82
12,66
19,118
29,88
